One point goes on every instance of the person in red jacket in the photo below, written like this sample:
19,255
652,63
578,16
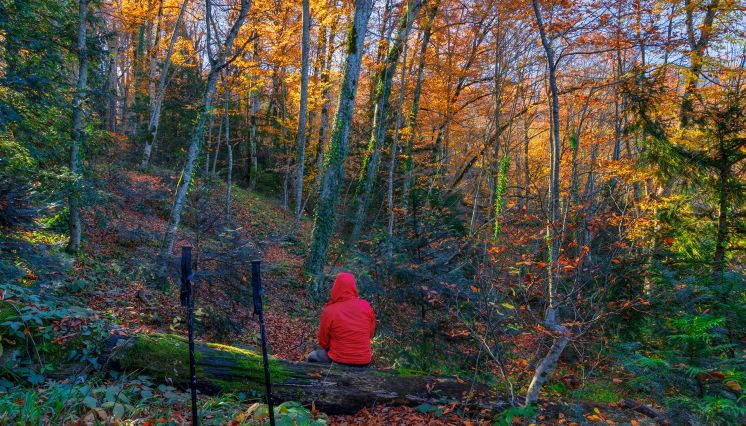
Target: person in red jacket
347,325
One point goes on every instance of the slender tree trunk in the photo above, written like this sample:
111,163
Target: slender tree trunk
216,64
303,109
590,184
230,160
252,140
394,150
76,228
209,146
218,142
153,56
526,171
155,113
412,117
697,48
229,183
718,264
112,83
254,106
324,218
378,133
326,101
497,165
561,336
286,149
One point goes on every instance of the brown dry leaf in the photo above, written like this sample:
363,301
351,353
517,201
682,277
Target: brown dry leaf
733,385
593,418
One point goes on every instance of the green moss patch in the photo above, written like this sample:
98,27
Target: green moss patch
408,372
7,311
161,355
167,356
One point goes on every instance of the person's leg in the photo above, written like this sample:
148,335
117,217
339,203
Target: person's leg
319,355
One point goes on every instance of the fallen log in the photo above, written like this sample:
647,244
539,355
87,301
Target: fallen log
333,388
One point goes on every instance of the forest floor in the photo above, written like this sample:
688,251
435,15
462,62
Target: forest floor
111,279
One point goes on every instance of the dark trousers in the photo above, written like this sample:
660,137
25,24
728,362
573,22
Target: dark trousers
320,355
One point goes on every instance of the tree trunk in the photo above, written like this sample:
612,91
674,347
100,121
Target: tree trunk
718,264
216,154
209,146
697,48
326,100
252,140
526,171
394,151
216,64
333,388
229,182
254,107
301,156
412,118
378,133
551,320
76,229
324,218
155,113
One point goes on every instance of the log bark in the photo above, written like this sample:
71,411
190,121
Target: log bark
333,388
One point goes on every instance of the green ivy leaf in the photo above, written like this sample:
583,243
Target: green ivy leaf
118,411
90,402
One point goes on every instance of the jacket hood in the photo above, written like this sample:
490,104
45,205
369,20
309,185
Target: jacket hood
344,288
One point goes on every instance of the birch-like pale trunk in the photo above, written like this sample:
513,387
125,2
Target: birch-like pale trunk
334,157
217,63
561,336
380,115
155,113
303,109
76,227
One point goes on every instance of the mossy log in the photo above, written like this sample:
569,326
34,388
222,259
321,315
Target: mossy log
333,388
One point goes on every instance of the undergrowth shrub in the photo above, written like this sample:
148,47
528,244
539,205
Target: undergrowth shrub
689,355
42,334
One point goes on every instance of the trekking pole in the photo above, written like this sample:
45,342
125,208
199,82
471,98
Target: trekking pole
187,301
257,291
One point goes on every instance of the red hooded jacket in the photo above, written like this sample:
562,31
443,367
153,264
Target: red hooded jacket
347,324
